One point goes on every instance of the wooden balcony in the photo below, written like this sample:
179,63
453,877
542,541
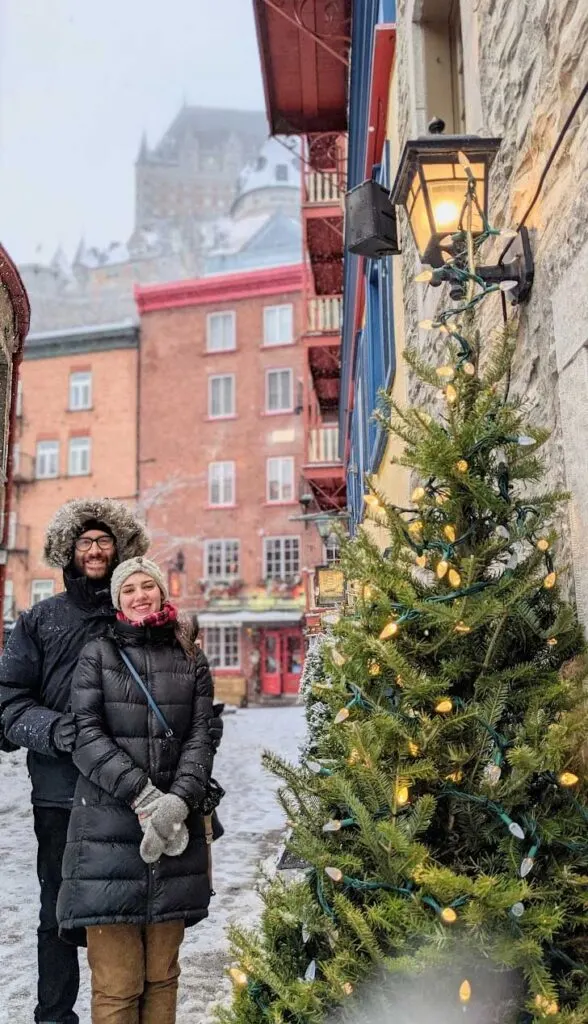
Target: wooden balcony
324,316
324,471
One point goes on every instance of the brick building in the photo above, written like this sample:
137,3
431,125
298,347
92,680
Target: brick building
221,451
75,436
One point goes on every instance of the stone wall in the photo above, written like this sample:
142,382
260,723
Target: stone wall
525,64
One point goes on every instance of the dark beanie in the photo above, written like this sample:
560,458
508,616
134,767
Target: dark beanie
96,524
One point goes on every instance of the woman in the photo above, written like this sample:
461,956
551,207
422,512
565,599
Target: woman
135,869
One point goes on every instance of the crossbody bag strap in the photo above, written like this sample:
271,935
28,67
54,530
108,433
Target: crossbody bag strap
152,704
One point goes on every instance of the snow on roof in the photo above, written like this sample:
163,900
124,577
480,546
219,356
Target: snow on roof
233,235
277,166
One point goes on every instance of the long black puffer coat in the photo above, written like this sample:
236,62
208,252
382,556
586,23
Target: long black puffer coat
121,745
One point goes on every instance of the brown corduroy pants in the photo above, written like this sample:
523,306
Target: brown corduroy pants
135,972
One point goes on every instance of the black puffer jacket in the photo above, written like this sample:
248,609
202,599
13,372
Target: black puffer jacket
36,671
120,746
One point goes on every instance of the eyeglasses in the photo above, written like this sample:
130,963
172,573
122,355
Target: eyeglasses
85,543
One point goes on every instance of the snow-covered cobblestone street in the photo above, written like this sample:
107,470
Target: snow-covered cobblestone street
254,825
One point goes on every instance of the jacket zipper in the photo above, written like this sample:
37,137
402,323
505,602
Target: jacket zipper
151,867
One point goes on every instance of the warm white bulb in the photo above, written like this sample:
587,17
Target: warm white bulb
445,213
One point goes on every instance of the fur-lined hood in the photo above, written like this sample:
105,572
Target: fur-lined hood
131,536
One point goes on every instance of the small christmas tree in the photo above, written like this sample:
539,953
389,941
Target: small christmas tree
443,812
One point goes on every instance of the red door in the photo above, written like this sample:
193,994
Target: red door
271,674
282,657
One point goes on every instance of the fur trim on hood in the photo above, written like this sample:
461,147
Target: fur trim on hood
131,536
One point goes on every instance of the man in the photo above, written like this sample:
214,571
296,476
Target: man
86,539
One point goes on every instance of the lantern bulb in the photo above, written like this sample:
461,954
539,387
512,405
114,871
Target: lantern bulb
402,795
525,440
543,544
338,658
314,767
418,494
450,394
341,716
441,498
426,325
549,581
465,992
517,909
526,867
421,561
454,578
368,592
424,277
515,830
374,668
347,988
415,527
449,532
568,779
442,568
413,749
399,681
446,214
444,706
448,915
354,757
469,369
456,776
445,371
335,874
461,466
390,629
552,642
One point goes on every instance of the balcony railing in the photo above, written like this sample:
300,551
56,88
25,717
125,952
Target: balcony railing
323,445
323,187
324,314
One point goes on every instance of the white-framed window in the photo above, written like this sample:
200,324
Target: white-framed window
40,589
19,398
80,456
221,395
11,540
278,325
281,557
47,460
279,391
221,483
80,390
221,334
280,479
8,612
331,549
221,559
222,647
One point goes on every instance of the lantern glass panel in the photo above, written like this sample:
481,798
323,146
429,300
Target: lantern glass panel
418,216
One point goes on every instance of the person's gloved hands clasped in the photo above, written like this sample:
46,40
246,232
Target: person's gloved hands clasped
64,733
166,831
144,804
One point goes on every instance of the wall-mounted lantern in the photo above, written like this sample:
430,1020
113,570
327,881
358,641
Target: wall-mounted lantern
431,184
434,176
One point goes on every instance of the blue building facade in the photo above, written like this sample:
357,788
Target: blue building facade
368,362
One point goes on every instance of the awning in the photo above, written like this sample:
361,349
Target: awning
247,617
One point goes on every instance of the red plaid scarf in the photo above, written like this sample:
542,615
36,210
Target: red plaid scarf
167,614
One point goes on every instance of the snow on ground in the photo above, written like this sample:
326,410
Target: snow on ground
253,821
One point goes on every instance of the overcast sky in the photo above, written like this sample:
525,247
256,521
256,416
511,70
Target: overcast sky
80,80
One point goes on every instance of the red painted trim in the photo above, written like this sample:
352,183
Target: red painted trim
219,288
384,49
